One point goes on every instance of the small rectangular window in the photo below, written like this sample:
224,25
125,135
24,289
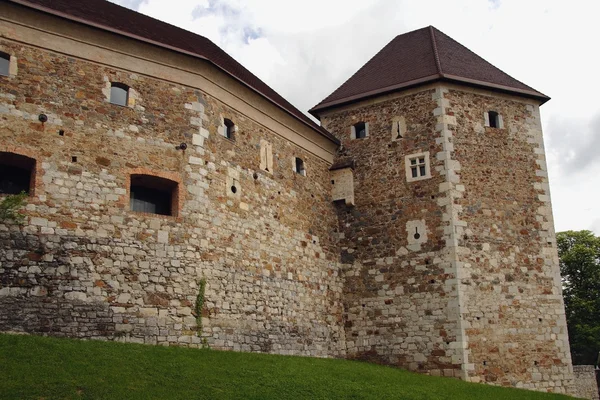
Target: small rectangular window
360,130
119,94
417,167
229,129
4,64
16,173
299,167
151,194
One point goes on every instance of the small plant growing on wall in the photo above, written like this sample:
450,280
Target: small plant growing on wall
10,206
200,304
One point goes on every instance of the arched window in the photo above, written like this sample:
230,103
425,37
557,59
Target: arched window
17,173
229,128
4,63
119,94
152,194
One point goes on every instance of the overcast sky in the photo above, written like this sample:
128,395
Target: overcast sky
306,49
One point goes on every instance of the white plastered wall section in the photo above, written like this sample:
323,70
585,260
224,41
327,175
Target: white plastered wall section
454,228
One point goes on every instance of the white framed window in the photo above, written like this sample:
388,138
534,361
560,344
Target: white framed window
493,120
360,130
417,166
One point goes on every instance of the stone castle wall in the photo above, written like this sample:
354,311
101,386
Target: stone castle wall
586,382
480,297
454,273
84,265
512,302
397,287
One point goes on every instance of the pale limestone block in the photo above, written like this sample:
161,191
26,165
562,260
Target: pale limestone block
163,237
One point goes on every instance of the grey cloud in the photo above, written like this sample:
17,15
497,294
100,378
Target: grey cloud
216,7
575,143
318,62
132,4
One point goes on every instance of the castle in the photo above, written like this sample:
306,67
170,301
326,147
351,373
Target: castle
412,228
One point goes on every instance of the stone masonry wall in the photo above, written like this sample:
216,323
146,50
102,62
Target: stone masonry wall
398,285
512,304
84,265
586,386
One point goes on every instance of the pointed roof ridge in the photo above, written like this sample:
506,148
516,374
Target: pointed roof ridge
419,57
435,50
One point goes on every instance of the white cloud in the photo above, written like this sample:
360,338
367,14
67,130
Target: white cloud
305,50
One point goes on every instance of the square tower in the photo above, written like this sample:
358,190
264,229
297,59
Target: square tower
450,250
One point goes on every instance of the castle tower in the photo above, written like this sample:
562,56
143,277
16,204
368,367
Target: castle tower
450,250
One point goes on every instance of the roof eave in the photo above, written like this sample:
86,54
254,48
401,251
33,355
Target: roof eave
47,10
317,110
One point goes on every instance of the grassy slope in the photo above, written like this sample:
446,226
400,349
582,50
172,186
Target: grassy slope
47,368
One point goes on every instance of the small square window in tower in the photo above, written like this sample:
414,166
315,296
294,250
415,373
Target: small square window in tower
152,194
17,173
299,166
119,94
4,64
359,130
229,129
493,120
417,167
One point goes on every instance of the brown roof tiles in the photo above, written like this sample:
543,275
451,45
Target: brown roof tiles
419,57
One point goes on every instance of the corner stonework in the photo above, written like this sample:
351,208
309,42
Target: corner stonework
454,227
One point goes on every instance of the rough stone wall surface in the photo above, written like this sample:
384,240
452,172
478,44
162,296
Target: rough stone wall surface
84,265
586,384
397,284
510,287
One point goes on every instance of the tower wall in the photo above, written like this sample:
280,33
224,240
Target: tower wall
512,308
481,298
397,288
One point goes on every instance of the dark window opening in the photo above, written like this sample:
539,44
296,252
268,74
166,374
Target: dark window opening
360,130
119,94
4,63
493,117
16,173
154,195
229,128
300,166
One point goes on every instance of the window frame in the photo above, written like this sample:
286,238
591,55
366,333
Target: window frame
22,163
298,162
148,183
121,86
7,57
229,129
409,165
354,132
496,117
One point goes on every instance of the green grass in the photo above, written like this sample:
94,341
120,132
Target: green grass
33,367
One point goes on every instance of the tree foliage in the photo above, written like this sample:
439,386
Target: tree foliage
10,206
579,253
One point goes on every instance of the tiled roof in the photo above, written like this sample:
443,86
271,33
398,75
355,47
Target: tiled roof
420,57
112,17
